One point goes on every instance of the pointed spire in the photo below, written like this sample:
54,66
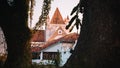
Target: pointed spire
57,18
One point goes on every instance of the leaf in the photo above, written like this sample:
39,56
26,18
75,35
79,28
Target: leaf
77,23
67,27
71,28
75,9
71,21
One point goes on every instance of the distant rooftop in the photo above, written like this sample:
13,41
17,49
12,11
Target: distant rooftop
39,36
69,38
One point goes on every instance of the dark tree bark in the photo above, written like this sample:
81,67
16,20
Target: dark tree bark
13,20
98,45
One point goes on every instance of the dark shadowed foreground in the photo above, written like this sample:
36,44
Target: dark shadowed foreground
99,41
13,20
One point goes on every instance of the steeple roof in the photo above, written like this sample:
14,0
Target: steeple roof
57,18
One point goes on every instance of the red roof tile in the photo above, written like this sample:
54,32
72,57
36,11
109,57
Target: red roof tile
39,36
69,37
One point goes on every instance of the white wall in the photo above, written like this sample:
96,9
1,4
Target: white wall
63,49
53,48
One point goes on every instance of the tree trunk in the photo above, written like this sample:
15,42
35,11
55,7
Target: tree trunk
13,20
98,45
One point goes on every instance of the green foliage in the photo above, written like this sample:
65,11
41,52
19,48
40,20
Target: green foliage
71,21
77,10
77,23
45,11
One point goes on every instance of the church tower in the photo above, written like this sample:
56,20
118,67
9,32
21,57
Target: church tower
55,23
57,18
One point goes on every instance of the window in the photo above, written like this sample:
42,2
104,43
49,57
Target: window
59,31
36,55
50,55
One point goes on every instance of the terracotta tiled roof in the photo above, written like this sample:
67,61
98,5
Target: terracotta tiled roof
69,37
39,36
57,18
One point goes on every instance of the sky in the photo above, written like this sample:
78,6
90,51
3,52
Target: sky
65,8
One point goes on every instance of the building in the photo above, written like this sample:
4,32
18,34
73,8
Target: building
53,43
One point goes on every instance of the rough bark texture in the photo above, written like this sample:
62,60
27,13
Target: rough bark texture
99,41
13,20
